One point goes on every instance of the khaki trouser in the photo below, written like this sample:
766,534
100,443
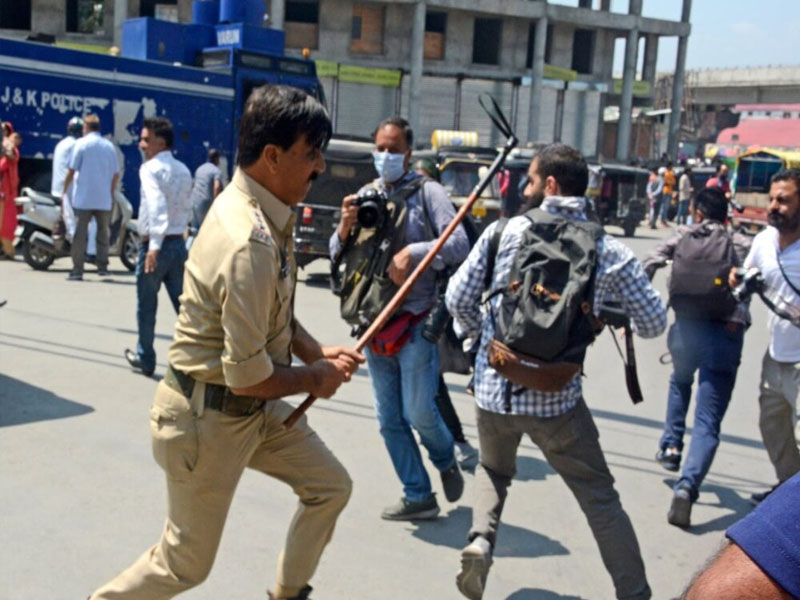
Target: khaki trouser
571,446
103,218
778,420
204,454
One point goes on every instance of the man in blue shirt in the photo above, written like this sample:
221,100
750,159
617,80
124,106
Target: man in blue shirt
94,158
405,383
558,422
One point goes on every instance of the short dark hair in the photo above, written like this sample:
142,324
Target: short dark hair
713,203
400,122
160,127
787,175
567,166
213,155
280,115
92,122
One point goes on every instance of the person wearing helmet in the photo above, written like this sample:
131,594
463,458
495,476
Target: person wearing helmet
61,156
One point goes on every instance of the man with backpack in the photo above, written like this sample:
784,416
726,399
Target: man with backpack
544,277
381,238
706,337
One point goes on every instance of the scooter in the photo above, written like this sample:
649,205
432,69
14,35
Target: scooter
41,213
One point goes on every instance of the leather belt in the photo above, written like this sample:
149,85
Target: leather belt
216,397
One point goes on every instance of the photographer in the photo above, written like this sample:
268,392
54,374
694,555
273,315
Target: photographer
706,337
403,365
776,253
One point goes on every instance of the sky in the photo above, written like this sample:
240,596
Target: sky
725,33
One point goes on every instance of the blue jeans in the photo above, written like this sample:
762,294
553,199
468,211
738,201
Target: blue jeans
683,212
169,270
405,389
714,350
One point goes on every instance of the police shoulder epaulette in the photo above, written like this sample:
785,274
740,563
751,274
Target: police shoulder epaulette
260,232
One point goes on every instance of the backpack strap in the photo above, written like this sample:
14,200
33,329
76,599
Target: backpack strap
494,246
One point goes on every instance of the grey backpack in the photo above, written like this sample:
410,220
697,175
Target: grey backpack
546,308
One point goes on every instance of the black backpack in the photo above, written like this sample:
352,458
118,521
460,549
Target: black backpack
698,285
546,308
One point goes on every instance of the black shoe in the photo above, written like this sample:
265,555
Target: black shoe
90,258
759,497
103,272
74,277
134,361
409,510
680,511
452,482
669,458
475,562
303,595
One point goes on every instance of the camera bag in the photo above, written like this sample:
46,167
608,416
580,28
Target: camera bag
545,318
698,285
365,287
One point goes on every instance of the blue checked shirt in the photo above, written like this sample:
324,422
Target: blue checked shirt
619,278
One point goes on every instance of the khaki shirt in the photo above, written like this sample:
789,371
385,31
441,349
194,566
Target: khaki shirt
236,313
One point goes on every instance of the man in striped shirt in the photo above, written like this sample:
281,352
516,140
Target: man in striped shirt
558,422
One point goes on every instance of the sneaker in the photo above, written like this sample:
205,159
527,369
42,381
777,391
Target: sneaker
759,497
136,363
669,458
303,595
452,482
475,562
74,277
103,272
680,510
466,455
412,510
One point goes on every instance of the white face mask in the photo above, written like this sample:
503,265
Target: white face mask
390,167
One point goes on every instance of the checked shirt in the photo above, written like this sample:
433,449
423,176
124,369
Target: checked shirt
619,278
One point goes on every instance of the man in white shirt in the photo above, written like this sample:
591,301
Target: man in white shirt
776,253
95,160
164,212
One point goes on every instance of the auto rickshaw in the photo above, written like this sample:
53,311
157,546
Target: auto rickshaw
754,170
618,195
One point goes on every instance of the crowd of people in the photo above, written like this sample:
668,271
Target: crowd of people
525,299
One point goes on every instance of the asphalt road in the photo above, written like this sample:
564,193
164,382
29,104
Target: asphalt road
81,496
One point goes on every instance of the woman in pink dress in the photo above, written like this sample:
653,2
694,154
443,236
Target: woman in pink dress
9,184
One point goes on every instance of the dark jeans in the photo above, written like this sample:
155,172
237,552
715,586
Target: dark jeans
169,270
713,349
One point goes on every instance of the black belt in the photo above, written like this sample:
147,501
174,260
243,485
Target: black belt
172,236
216,397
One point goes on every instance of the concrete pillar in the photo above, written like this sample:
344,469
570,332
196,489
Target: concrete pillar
629,74
605,5
650,59
677,86
537,73
417,49
277,13
120,14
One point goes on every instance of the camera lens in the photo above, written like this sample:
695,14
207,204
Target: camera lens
369,213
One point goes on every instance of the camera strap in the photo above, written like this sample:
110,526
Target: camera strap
629,360
785,276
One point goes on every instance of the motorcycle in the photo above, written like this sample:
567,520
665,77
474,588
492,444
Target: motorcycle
41,213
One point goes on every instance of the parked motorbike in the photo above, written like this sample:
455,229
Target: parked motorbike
40,214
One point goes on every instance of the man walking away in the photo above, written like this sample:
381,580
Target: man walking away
61,157
94,159
684,196
707,336
207,186
776,253
654,188
164,213
553,414
219,408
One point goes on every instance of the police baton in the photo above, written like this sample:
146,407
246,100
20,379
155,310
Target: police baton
497,117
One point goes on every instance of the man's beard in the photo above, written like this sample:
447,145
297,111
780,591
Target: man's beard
783,223
534,200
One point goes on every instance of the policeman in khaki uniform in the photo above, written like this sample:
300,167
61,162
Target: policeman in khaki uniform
218,409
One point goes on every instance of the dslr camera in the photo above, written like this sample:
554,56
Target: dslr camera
750,282
371,205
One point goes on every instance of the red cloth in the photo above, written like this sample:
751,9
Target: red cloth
9,183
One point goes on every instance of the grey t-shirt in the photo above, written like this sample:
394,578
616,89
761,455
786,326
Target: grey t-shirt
203,190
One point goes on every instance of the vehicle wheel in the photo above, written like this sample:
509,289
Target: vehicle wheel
36,257
130,250
629,228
